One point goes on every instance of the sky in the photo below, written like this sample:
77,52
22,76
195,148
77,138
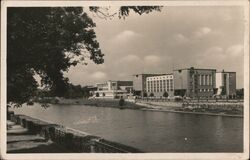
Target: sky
158,42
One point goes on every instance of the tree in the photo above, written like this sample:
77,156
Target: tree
145,94
180,92
165,94
223,91
215,90
46,41
97,94
151,95
240,93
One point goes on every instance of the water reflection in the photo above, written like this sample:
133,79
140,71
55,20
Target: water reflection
147,130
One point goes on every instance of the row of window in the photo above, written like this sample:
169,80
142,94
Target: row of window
160,85
202,90
158,78
205,80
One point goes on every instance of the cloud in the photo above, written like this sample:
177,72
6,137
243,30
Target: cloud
214,50
152,60
235,50
125,35
211,57
98,75
180,38
202,32
130,58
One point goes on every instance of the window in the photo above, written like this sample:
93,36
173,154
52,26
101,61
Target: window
206,82
211,80
201,81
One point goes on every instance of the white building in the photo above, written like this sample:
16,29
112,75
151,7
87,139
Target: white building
226,83
114,89
157,85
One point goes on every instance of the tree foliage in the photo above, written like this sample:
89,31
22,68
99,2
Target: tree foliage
151,95
165,94
47,41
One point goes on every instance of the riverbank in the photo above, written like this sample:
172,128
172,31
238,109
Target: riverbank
97,102
232,109
213,109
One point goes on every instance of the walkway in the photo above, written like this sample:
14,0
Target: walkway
20,141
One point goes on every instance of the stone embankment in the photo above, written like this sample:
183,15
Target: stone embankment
70,140
233,109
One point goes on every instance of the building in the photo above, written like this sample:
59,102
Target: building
114,89
226,83
192,82
158,85
91,90
139,83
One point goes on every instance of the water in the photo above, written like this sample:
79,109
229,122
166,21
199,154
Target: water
148,130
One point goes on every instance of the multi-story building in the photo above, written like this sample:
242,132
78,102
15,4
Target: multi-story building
139,83
226,83
158,85
193,82
114,89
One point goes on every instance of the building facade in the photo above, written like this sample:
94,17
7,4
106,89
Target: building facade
114,89
139,83
226,83
192,82
158,85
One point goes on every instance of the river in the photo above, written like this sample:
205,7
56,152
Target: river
150,131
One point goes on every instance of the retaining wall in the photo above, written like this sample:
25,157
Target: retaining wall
71,139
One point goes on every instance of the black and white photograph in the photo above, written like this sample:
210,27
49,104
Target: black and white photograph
125,80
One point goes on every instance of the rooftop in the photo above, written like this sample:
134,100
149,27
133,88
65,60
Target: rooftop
195,69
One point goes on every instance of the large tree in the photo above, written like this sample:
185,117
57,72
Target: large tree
48,40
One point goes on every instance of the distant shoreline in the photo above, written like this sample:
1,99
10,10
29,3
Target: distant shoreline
200,113
114,103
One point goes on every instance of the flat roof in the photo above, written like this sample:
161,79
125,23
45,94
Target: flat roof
149,74
162,75
194,69
225,72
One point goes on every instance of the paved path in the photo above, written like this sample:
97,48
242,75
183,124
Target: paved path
20,141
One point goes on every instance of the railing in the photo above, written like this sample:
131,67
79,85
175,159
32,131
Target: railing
73,140
100,147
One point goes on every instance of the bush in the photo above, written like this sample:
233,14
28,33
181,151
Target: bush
151,95
97,94
165,94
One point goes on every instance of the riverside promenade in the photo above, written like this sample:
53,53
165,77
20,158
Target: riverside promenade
30,135
19,140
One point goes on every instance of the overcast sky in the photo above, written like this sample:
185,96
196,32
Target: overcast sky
176,37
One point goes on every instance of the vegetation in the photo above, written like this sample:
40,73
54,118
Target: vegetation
223,91
97,94
180,92
165,94
240,93
46,41
151,95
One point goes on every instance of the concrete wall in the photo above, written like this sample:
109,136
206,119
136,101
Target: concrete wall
184,79
227,79
232,83
180,79
73,140
137,82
